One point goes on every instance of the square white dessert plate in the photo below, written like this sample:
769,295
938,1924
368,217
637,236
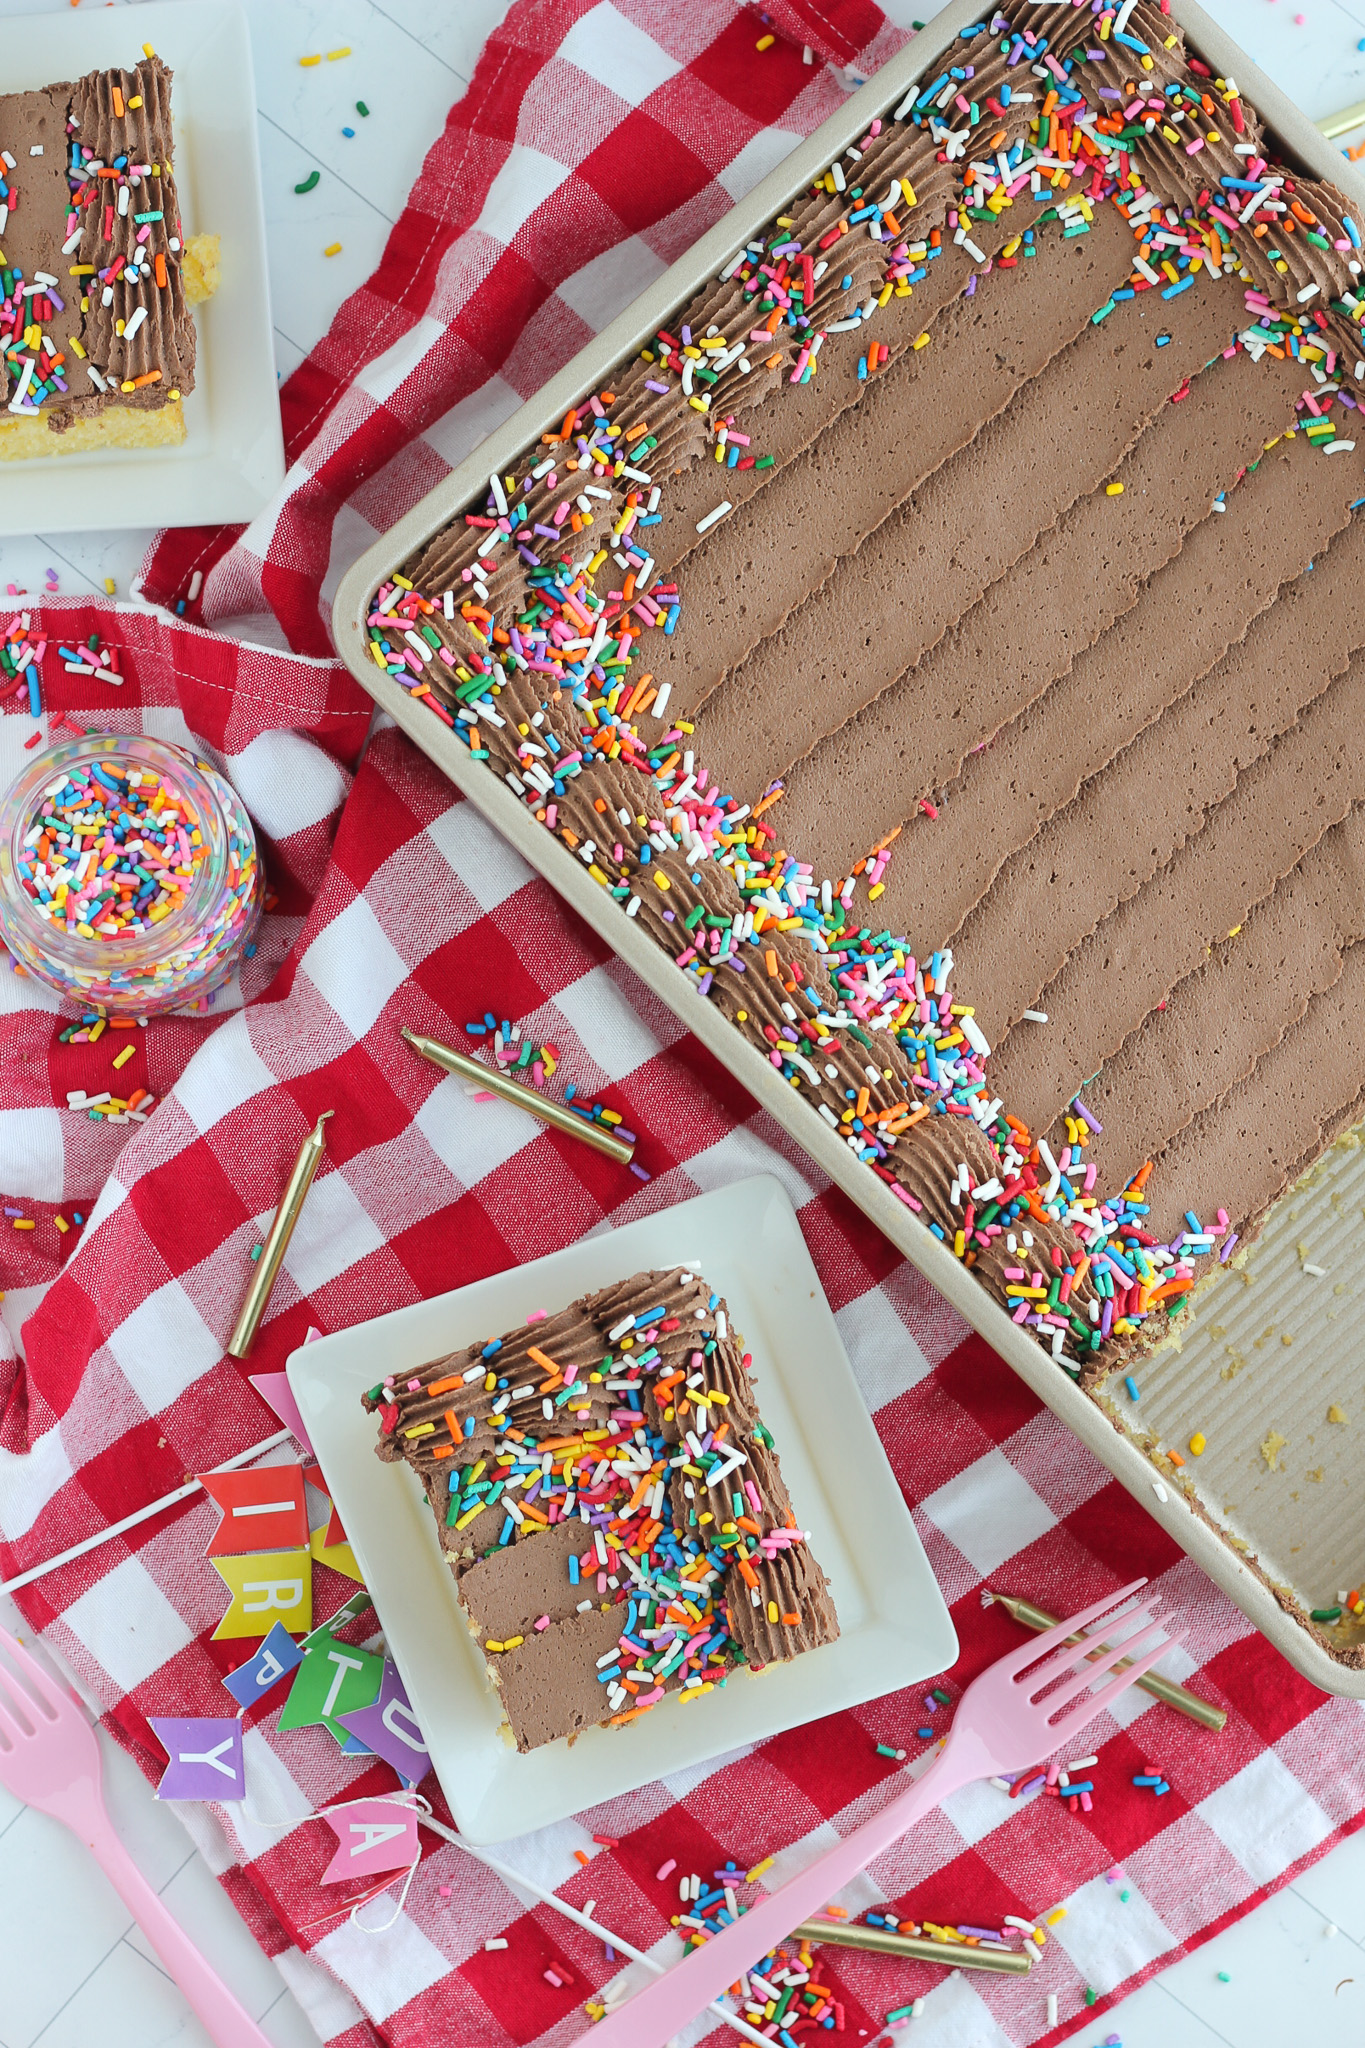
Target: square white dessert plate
895,1625
232,458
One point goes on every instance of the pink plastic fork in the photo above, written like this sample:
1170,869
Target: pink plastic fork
50,1758
1016,1711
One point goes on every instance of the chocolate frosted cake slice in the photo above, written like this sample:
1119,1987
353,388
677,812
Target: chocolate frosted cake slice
611,1504
96,278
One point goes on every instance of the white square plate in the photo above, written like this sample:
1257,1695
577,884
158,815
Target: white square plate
895,1626
232,457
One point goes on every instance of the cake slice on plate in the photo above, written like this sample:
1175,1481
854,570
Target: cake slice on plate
611,1504
97,278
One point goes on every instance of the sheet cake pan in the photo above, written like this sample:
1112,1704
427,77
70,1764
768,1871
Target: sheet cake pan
1267,1537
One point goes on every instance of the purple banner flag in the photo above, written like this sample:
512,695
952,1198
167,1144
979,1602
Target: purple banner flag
205,1758
390,1727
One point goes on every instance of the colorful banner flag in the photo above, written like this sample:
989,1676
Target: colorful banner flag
262,1510
373,1835
277,1656
334,1678
389,1727
205,1758
274,1585
339,1556
275,1390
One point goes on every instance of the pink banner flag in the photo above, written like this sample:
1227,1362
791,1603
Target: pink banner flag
373,1835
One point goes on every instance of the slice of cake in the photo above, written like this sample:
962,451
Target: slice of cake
97,344
611,1504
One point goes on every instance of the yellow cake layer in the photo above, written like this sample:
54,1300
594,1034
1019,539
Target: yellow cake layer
22,437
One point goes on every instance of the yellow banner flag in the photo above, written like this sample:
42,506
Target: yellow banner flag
340,1557
269,1586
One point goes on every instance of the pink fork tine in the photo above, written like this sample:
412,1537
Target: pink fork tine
1056,1637
1091,1658
1085,1708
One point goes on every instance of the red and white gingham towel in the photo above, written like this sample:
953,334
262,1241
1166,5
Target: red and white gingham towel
597,140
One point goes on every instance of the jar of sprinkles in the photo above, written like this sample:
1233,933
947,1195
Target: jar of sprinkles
129,877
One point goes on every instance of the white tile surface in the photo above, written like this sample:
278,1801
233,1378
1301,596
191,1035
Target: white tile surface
72,1972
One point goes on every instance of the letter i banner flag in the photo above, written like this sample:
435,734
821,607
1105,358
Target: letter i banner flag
262,1510
373,1835
205,1758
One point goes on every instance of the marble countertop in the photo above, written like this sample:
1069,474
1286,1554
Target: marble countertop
73,1969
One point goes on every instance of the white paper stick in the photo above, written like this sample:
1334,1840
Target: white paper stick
168,1500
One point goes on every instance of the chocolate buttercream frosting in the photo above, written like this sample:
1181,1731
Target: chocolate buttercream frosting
611,1504
945,640
93,312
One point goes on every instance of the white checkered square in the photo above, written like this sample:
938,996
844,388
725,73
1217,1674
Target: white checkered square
472,1138
1265,1817
384,1975
127,1624
164,1346
381,378
472,420
226,1072
484,862
524,182
978,1809
286,782
599,291
989,1512
612,49
353,965
28,1482
956,2016
31,1151
758,156
330,2008
258,1822
1111,1931
742,1152
334,1231
611,1032
886,1359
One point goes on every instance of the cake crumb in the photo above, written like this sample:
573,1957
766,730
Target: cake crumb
1271,1448
1334,1414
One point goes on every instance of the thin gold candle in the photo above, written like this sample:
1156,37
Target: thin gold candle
277,1239
953,1955
1177,1696
530,1099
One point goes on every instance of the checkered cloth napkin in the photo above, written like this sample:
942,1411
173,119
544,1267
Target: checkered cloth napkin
595,143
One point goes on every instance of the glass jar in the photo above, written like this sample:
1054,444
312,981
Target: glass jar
191,897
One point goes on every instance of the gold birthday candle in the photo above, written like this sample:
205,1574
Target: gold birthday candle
498,1083
277,1239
